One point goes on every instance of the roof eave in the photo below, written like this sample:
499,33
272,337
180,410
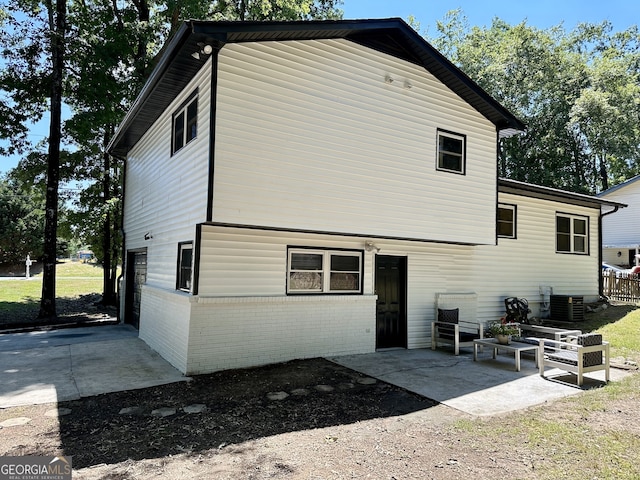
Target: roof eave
402,41
619,186
554,194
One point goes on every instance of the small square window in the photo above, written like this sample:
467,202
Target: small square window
572,234
506,221
185,262
185,124
451,151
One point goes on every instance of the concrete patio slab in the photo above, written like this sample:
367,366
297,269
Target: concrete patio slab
58,365
485,387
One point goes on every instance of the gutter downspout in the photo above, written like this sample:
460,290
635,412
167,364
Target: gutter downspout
600,280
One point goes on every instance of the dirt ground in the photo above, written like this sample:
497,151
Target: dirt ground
333,424
307,419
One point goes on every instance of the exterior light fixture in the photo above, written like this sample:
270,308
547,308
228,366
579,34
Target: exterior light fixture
205,49
370,247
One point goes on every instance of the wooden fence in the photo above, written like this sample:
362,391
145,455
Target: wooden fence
621,286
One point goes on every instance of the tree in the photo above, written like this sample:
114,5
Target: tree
31,75
57,31
21,222
605,114
97,64
23,78
577,92
109,63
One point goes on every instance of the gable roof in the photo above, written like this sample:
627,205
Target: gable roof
177,65
619,186
554,194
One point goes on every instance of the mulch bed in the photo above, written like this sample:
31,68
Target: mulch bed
319,394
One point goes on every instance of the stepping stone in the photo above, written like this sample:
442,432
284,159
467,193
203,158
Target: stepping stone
300,392
195,408
163,412
324,388
277,395
367,381
15,422
131,411
57,412
346,386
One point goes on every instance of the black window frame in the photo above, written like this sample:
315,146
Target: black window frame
184,123
514,222
326,270
572,235
463,154
184,283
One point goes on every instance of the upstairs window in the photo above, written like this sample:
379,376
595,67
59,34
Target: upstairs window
185,262
451,152
185,124
506,221
572,234
324,271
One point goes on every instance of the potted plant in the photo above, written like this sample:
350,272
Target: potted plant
502,331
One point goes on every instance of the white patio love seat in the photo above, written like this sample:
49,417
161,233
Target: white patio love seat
580,354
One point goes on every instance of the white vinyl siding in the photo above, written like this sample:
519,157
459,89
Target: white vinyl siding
623,227
243,316
166,195
238,262
310,136
519,267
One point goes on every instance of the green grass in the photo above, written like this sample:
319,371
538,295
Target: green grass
591,435
20,298
30,290
624,336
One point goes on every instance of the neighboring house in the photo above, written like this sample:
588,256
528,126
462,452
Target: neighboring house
303,189
621,232
84,255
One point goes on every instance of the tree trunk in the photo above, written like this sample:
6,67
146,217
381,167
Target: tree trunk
108,290
57,24
243,8
604,176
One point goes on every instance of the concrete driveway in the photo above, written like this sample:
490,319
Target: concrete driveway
67,364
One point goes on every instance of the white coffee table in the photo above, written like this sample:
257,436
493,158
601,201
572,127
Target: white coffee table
516,347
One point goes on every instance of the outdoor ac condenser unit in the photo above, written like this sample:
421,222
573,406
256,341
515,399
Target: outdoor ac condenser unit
567,308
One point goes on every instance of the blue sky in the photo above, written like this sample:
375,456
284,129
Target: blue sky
540,13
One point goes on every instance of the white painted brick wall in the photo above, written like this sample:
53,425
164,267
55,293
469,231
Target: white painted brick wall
250,331
164,323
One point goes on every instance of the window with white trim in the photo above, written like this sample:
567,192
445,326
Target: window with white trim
506,221
185,262
572,234
184,124
324,271
451,151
